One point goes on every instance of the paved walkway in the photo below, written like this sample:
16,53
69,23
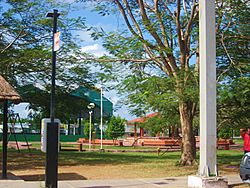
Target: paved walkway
171,182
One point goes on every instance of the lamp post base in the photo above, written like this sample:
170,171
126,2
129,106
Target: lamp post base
207,182
102,150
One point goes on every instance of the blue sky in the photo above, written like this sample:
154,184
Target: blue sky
108,23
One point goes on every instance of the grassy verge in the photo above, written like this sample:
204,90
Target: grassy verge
118,165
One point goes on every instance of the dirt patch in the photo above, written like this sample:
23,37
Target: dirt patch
96,165
83,172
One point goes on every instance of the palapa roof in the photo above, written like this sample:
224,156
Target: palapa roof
7,92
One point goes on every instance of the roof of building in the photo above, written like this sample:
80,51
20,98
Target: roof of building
91,95
141,119
94,96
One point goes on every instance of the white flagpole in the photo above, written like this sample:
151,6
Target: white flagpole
101,116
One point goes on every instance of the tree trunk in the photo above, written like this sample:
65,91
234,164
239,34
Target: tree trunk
188,156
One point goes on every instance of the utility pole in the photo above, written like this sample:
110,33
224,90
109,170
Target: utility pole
101,114
207,45
207,173
51,171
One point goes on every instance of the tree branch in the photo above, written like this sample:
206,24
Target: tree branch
227,54
13,41
185,8
152,31
178,27
130,27
148,24
132,18
193,15
168,10
158,14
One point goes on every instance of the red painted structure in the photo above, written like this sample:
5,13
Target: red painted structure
136,121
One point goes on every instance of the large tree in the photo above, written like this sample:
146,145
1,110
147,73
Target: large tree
160,39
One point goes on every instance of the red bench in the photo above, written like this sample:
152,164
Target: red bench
157,142
223,144
98,141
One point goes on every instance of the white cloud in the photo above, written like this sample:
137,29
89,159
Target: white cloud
114,99
124,113
21,109
95,49
89,48
85,36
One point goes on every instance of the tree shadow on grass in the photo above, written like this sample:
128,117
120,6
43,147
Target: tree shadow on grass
227,157
94,158
61,177
36,159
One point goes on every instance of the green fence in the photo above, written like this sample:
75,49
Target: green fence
37,137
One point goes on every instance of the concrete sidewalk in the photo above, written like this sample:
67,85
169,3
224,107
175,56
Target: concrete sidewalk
172,182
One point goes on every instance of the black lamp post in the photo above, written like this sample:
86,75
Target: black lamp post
51,171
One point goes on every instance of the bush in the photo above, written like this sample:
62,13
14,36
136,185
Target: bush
116,127
225,133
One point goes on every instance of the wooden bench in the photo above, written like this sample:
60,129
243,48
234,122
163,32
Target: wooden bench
98,142
169,145
108,142
19,145
220,144
223,144
166,142
71,146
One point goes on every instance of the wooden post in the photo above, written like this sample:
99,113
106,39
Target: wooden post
5,137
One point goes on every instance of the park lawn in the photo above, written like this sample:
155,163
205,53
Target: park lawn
238,141
119,165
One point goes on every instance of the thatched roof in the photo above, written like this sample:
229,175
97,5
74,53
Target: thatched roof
7,92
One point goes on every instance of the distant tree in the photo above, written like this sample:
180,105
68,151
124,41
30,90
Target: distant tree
86,129
225,133
116,127
155,125
234,104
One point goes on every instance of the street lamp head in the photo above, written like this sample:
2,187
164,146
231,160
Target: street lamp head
91,106
51,14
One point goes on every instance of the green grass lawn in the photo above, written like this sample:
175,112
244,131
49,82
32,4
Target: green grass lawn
238,141
138,164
